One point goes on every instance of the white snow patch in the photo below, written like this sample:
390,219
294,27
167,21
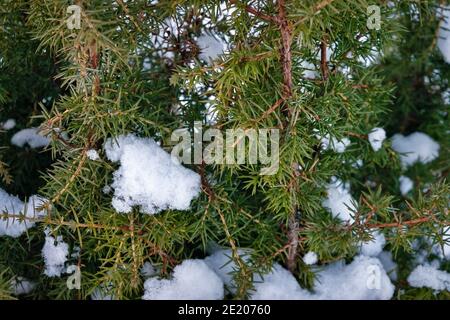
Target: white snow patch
339,201
364,278
406,185
103,292
376,138
309,70
389,265
417,147
55,253
17,224
279,284
310,258
149,177
430,277
211,47
358,163
93,154
444,33
148,270
30,136
9,124
20,286
222,264
374,247
192,280
162,39
329,142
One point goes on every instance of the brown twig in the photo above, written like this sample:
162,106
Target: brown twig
206,187
266,113
316,9
367,224
286,54
254,11
256,57
286,63
360,86
323,59
293,241
400,223
357,135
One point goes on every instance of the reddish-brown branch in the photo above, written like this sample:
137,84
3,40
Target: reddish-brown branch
322,5
360,86
286,54
400,223
253,11
266,113
293,243
367,224
286,63
206,187
357,135
94,58
323,59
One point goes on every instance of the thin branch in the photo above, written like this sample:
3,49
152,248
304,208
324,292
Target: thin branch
270,110
72,177
402,223
316,9
135,264
286,63
206,187
357,135
293,243
72,224
254,11
323,59
286,54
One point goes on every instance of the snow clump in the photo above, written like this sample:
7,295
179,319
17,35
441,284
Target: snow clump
148,177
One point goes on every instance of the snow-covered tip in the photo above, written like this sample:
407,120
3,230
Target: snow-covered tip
329,142
17,216
30,136
339,201
192,280
20,286
376,138
310,258
417,147
148,177
406,185
55,253
92,155
8,124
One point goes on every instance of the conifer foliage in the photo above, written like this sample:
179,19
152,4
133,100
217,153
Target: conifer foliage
94,207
